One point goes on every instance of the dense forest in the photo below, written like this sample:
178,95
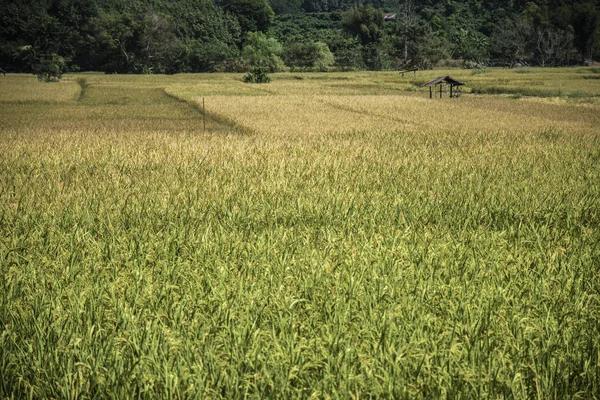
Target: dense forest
169,36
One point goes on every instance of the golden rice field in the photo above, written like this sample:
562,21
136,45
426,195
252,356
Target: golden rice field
334,235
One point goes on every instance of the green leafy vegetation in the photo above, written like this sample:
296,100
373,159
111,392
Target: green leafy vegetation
164,36
260,50
314,56
333,236
49,68
257,74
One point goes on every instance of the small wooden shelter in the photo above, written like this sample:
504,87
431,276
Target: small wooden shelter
444,81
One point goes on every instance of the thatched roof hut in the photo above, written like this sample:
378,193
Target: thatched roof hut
442,81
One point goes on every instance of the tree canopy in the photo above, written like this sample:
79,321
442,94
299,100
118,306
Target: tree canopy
169,36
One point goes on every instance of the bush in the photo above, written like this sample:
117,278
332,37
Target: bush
257,74
49,68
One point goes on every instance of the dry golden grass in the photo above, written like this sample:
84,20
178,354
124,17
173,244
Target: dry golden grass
25,88
381,102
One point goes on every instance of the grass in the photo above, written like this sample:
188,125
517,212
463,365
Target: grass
326,238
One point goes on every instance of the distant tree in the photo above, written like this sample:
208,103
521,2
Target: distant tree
429,48
471,46
585,23
312,56
76,32
49,68
409,21
422,48
511,41
117,42
347,53
253,15
209,56
366,24
160,49
554,47
317,6
210,35
262,51
286,6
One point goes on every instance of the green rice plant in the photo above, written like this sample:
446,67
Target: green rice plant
316,240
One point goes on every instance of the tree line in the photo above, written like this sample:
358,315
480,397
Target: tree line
49,37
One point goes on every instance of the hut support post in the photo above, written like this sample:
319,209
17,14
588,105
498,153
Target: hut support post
441,92
451,86
430,92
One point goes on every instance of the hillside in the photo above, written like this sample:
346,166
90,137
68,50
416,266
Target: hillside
168,36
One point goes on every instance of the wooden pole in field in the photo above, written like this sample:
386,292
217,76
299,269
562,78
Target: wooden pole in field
203,115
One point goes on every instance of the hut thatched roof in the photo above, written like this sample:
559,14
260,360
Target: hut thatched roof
444,79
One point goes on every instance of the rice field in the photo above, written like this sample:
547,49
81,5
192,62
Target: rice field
326,236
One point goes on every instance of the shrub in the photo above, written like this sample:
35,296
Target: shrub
257,74
49,68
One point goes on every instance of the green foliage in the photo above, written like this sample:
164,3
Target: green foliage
253,15
263,51
209,56
471,46
166,36
286,6
512,41
49,68
203,21
318,6
314,56
585,22
365,23
325,27
160,48
257,74
417,47
450,251
117,41
210,36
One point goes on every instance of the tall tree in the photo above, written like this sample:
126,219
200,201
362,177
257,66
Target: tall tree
409,21
262,51
160,49
253,15
586,19
511,41
366,24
